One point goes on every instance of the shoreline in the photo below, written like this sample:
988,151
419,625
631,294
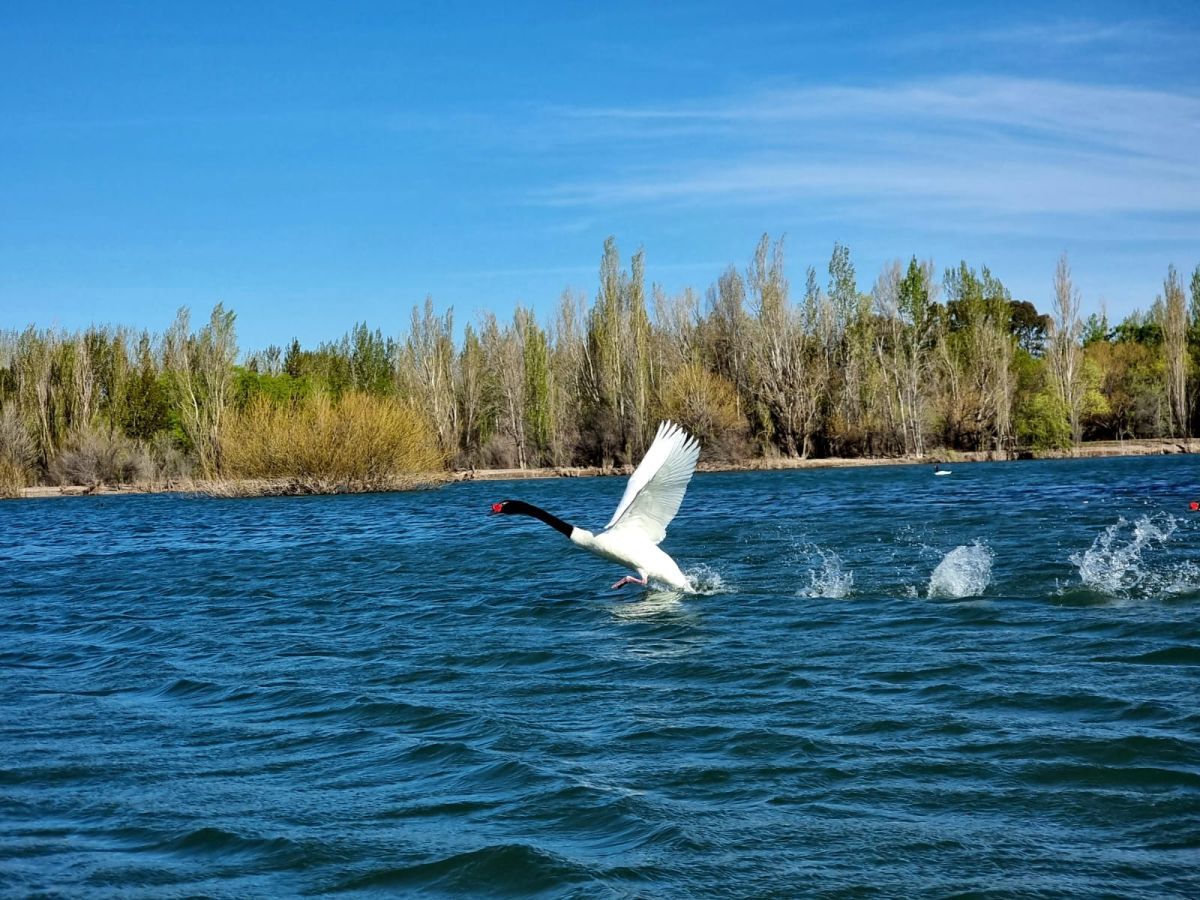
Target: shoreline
287,487
1090,450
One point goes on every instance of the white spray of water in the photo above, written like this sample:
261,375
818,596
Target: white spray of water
1183,580
965,571
707,581
1115,563
830,579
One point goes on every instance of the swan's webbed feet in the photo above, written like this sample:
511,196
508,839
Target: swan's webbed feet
629,579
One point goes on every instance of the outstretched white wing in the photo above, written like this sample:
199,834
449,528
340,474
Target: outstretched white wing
657,485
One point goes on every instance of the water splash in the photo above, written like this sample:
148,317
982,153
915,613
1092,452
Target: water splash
1116,564
1185,580
707,581
830,579
965,571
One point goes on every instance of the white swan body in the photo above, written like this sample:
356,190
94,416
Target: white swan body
651,500
626,548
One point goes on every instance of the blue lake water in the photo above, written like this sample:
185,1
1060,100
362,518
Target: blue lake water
892,684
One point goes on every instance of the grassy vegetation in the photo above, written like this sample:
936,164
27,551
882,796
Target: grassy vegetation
16,454
319,444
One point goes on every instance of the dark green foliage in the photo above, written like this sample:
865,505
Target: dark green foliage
1096,329
145,410
1028,326
292,361
371,360
1139,328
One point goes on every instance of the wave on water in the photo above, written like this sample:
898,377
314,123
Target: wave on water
1117,564
965,571
830,578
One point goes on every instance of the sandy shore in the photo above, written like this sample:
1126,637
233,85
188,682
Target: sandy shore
1091,450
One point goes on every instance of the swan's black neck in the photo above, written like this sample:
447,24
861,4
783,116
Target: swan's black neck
521,508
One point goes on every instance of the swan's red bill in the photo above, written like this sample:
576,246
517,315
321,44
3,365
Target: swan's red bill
1194,506
496,507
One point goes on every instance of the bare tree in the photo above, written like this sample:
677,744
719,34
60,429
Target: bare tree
505,360
904,341
470,376
1174,326
780,354
676,333
728,332
425,370
566,377
1064,354
201,366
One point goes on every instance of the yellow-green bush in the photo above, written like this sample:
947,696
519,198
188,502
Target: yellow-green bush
358,441
707,405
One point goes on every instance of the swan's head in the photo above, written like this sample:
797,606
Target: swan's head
499,507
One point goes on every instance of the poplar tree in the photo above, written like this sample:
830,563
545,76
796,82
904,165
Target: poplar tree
904,342
1174,322
535,365
424,369
475,426
728,333
201,370
1065,356
567,381
637,383
779,350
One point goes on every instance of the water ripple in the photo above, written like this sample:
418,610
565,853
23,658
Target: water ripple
387,694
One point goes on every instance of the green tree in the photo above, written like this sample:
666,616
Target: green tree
979,351
535,360
146,410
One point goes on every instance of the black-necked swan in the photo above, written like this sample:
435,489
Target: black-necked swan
650,502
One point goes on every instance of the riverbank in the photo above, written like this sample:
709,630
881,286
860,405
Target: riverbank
295,487
1090,450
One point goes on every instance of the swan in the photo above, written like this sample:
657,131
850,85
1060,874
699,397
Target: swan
651,499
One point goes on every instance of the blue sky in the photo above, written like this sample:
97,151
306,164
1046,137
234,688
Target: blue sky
312,166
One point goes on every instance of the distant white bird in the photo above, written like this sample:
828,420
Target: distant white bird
651,500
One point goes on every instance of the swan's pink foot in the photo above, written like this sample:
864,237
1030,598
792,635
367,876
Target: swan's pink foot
629,579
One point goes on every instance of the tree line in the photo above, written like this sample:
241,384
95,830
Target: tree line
920,363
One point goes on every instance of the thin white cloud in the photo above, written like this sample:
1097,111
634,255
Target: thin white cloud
982,145
1065,33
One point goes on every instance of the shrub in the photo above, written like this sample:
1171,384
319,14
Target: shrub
17,453
171,464
1042,422
706,405
361,441
94,456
